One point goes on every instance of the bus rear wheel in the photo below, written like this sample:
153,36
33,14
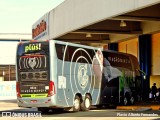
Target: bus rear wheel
76,104
132,100
125,101
86,104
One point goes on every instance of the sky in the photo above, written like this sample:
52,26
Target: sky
18,16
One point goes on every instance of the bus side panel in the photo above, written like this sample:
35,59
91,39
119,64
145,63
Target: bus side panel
63,85
117,77
75,74
137,78
53,71
69,83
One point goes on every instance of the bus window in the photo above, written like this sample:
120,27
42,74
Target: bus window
88,55
74,54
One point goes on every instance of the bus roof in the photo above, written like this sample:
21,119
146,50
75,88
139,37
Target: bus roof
78,45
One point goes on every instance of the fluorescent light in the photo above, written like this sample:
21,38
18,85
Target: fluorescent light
123,24
88,35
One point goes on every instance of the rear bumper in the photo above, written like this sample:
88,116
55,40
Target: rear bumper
36,102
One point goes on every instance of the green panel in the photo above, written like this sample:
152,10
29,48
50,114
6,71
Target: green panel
34,95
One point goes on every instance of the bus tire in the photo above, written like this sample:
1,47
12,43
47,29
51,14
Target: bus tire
131,100
86,104
43,109
76,104
139,98
125,101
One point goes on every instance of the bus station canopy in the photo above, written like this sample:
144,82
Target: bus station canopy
100,21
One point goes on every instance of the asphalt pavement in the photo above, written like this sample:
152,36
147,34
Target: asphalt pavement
12,104
147,107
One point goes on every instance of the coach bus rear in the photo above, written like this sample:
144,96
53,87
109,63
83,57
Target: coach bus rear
34,86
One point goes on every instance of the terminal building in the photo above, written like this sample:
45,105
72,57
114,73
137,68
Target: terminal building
125,26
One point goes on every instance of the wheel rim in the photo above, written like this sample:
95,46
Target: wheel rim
76,104
87,103
125,101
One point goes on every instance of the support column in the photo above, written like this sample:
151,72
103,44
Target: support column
145,62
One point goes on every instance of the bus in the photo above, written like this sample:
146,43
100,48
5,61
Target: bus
53,74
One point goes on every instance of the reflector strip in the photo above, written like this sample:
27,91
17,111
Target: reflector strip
34,95
30,56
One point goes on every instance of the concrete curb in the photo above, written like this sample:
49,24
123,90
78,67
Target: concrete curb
152,107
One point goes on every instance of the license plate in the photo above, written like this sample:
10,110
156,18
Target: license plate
33,101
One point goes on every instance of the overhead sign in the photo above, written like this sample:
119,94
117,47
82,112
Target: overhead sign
40,28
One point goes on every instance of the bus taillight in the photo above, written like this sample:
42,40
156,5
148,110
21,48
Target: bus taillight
18,89
51,91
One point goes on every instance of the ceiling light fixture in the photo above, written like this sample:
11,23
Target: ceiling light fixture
88,35
123,24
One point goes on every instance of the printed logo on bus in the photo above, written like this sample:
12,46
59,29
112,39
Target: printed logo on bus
32,62
33,47
82,76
